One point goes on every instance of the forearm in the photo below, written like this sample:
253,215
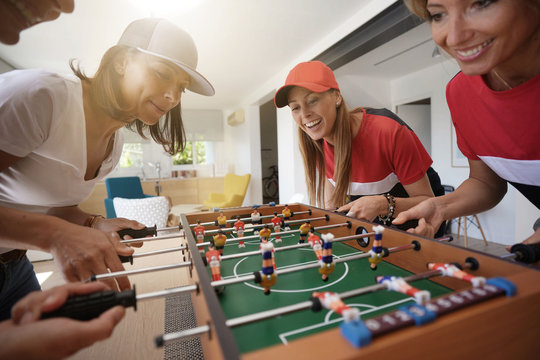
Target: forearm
403,204
73,214
25,230
471,197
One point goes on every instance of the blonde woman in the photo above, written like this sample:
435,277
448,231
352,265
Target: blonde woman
493,102
367,162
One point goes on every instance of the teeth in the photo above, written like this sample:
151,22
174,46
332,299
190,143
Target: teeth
475,50
311,124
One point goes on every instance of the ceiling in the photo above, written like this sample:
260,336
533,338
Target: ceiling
241,43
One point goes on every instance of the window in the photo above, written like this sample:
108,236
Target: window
132,156
194,153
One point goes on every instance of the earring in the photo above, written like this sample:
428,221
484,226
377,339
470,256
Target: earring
338,103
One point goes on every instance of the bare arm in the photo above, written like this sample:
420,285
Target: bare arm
368,207
481,191
328,194
78,251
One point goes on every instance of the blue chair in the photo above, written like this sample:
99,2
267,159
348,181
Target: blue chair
124,187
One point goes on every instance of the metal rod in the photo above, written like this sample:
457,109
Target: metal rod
303,267
246,319
163,293
274,234
139,271
291,247
248,218
182,335
153,238
163,251
214,231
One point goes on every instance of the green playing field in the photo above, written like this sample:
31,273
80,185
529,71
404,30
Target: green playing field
247,298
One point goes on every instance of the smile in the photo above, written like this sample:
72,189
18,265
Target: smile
474,51
313,123
158,109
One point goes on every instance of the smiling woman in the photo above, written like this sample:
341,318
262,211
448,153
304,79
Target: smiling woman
60,136
366,162
493,102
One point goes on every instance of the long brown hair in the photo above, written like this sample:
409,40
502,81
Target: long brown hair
314,165
105,94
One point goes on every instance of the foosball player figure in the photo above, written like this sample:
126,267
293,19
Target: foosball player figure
396,283
327,260
352,328
222,220
286,212
315,243
267,275
239,225
220,239
264,234
256,220
213,259
331,301
376,251
199,231
276,222
453,271
304,229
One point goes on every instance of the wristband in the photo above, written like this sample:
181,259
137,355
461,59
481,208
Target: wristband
92,220
391,208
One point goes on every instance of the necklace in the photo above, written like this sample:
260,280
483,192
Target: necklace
508,87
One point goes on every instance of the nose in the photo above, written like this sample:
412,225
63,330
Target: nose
173,95
458,31
306,112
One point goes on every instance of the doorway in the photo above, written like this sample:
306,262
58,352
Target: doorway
269,153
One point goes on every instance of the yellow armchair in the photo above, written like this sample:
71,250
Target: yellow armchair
235,187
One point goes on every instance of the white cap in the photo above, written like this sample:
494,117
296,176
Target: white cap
161,38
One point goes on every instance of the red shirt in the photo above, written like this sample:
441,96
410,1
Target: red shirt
385,152
239,225
276,221
199,230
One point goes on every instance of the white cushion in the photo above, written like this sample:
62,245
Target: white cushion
148,211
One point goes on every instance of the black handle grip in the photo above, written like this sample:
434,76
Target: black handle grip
126,259
136,234
87,307
526,253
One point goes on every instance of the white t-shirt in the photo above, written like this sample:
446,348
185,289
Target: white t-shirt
42,121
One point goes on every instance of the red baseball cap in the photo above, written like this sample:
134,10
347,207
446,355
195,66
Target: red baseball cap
312,75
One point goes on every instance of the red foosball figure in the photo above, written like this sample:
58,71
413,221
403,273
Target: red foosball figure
199,231
239,225
268,276
220,239
331,301
264,234
398,284
315,243
304,229
213,259
327,259
222,220
454,271
276,221
376,251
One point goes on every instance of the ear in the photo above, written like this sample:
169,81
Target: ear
339,98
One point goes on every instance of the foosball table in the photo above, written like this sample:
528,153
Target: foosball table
345,290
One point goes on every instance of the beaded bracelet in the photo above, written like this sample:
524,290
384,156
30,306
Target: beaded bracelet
92,220
391,208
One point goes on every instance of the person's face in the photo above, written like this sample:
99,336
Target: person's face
483,34
315,113
17,15
150,86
